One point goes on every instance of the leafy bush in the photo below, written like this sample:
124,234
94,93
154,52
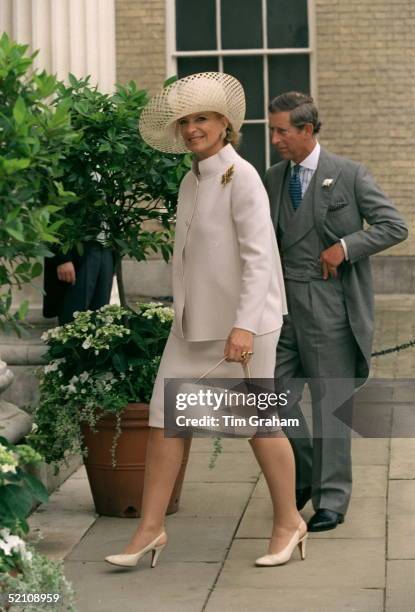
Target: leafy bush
18,489
39,581
34,138
100,362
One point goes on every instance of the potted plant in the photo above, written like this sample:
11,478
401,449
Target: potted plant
99,378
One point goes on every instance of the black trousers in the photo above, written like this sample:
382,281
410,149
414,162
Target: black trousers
92,288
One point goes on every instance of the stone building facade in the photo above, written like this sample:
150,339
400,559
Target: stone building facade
362,75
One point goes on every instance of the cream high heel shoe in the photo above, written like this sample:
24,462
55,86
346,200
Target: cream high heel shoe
285,554
132,560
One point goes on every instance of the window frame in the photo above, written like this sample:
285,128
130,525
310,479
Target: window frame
172,55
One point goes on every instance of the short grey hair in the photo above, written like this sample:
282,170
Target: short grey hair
301,108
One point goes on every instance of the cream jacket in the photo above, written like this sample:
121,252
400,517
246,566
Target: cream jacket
226,265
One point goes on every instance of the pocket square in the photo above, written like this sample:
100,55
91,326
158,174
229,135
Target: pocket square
337,206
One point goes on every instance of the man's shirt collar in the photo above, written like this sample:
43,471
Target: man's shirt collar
311,161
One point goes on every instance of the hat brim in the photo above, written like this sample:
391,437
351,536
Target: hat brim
204,91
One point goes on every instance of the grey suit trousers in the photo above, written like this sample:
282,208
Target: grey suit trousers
317,344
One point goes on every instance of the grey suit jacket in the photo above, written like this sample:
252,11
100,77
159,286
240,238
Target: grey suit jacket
339,211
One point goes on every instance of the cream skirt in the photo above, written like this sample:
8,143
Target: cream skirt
183,359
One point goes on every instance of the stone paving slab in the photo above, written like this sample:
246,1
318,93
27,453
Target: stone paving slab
404,422
191,540
401,520
229,445
400,581
353,564
241,467
401,497
370,451
296,600
365,519
170,587
405,391
368,481
401,536
208,499
65,518
402,465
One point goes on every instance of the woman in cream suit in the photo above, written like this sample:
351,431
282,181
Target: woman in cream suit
228,295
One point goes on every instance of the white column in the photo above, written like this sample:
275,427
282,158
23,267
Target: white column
22,20
75,36
60,39
106,30
41,33
77,31
6,15
92,40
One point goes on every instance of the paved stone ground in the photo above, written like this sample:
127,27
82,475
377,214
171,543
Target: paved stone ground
365,565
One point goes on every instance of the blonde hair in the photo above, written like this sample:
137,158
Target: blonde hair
232,137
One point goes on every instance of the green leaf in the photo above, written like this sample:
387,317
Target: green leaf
120,362
17,500
73,80
19,111
10,166
37,489
16,234
23,308
37,269
22,268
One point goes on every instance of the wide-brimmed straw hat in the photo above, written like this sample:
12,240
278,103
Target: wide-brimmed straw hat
204,91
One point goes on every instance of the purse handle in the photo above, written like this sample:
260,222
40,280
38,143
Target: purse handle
245,367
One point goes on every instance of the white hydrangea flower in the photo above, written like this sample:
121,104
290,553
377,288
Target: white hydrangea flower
7,467
11,543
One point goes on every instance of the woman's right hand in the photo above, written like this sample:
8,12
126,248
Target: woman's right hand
240,342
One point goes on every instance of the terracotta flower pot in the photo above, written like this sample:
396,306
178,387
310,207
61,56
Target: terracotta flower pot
118,491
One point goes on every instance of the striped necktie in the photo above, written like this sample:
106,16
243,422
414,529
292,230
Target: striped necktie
294,187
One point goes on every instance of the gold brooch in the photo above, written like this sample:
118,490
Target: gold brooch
227,176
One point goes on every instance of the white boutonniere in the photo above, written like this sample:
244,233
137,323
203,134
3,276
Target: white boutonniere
327,183
228,175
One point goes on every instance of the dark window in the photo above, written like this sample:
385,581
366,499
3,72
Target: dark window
195,25
242,28
249,71
287,23
288,72
190,65
241,24
252,146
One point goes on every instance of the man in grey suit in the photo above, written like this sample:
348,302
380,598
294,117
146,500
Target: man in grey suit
318,204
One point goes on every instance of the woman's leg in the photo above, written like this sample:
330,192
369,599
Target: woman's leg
163,461
276,459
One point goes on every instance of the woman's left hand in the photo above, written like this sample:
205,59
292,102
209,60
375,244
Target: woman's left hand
240,342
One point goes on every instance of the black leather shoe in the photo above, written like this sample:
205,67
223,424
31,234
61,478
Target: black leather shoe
302,497
323,520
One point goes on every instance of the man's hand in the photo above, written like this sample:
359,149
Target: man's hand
239,341
330,259
66,272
